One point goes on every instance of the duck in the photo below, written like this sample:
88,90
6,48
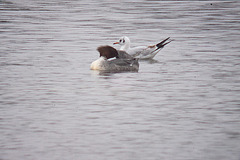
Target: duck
114,60
141,52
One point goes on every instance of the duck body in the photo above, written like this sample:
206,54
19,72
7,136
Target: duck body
114,61
103,64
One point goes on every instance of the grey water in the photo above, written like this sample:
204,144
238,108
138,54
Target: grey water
182,105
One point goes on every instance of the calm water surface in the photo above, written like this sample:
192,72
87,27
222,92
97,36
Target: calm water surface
182,105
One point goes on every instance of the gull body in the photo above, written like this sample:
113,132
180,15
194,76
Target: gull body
141,52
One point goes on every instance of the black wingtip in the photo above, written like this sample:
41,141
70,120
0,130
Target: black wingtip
162,43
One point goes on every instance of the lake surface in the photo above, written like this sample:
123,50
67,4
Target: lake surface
182,105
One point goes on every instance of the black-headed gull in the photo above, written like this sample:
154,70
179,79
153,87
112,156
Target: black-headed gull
141,52
113,60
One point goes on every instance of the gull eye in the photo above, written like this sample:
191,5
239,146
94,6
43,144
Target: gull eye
123,40
120,40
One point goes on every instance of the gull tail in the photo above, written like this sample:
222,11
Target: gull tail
163,43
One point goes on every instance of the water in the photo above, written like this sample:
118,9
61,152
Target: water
183,105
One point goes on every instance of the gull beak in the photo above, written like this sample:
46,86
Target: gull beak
116,43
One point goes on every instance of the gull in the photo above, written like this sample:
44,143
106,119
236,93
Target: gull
141,52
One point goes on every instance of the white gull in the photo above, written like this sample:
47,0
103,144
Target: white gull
141,52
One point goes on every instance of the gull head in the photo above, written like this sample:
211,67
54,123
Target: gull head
124,42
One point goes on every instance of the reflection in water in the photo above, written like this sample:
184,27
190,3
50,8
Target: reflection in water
103,74
109,73
151,61
183,104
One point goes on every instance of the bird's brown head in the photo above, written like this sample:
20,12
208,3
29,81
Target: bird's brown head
107,51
